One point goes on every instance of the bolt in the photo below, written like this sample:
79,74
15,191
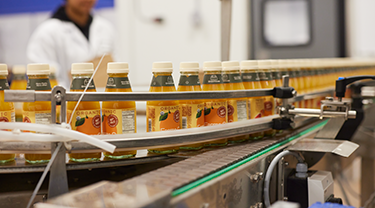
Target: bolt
286,164
58,97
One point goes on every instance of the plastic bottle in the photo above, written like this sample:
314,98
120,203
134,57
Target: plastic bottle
267,82
237,107
19,82
163,115
192,110
215,111
38,111
251,81
86,118
52,77
7,111
119,117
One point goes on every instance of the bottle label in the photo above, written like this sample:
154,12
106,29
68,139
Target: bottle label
4,84
298,73
80,84
39,117
250,77
86,121
163,118
237,110
192,115
191,80
165,81
285,72
276,75
256,107
269,106
38,84
231,78
212,79
265,76
52,76
118,82
118,121
215,113
8,116
19,77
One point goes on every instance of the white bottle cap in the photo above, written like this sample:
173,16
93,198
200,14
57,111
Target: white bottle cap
163,66
38,69
3,70
52,69
189,67
265,64
249,64
231,65
212,66
82,68
117,67
19,69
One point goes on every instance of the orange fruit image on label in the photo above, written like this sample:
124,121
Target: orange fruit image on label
169,120
88,125
215,113
110,123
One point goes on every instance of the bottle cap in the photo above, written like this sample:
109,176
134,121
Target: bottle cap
212,66
189,67
19,69
264,64
231,65
82,68
52,69
165,66
38,69
3,70
249,64
117,67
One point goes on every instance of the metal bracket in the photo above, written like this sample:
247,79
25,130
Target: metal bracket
338,147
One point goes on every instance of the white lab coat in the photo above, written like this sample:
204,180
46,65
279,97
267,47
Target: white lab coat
60,43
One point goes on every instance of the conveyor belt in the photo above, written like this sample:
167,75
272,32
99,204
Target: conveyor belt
189,173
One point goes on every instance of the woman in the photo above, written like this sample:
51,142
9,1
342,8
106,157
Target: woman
71,35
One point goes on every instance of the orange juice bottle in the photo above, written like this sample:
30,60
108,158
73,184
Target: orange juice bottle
267,81
86,118
163,115
119,117
19,82
276,75
7,112
192,110
237,107
251,81
53,81
215,111
38,111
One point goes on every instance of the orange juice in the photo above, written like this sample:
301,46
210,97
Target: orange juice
7,112
119,117
86,118
237,107
192,110
163,115
38,111
267,81
19,82
53,81
215,111
251,81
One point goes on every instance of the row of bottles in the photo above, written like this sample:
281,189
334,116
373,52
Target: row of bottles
119,117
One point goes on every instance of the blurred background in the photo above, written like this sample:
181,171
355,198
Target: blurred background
189,30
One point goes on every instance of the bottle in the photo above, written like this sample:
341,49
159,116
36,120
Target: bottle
276,75
52,77
19,82
163,115
237,107
251,81
7,111
267,81
53,81
86,118
215,111
192,110
39,111
119,117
